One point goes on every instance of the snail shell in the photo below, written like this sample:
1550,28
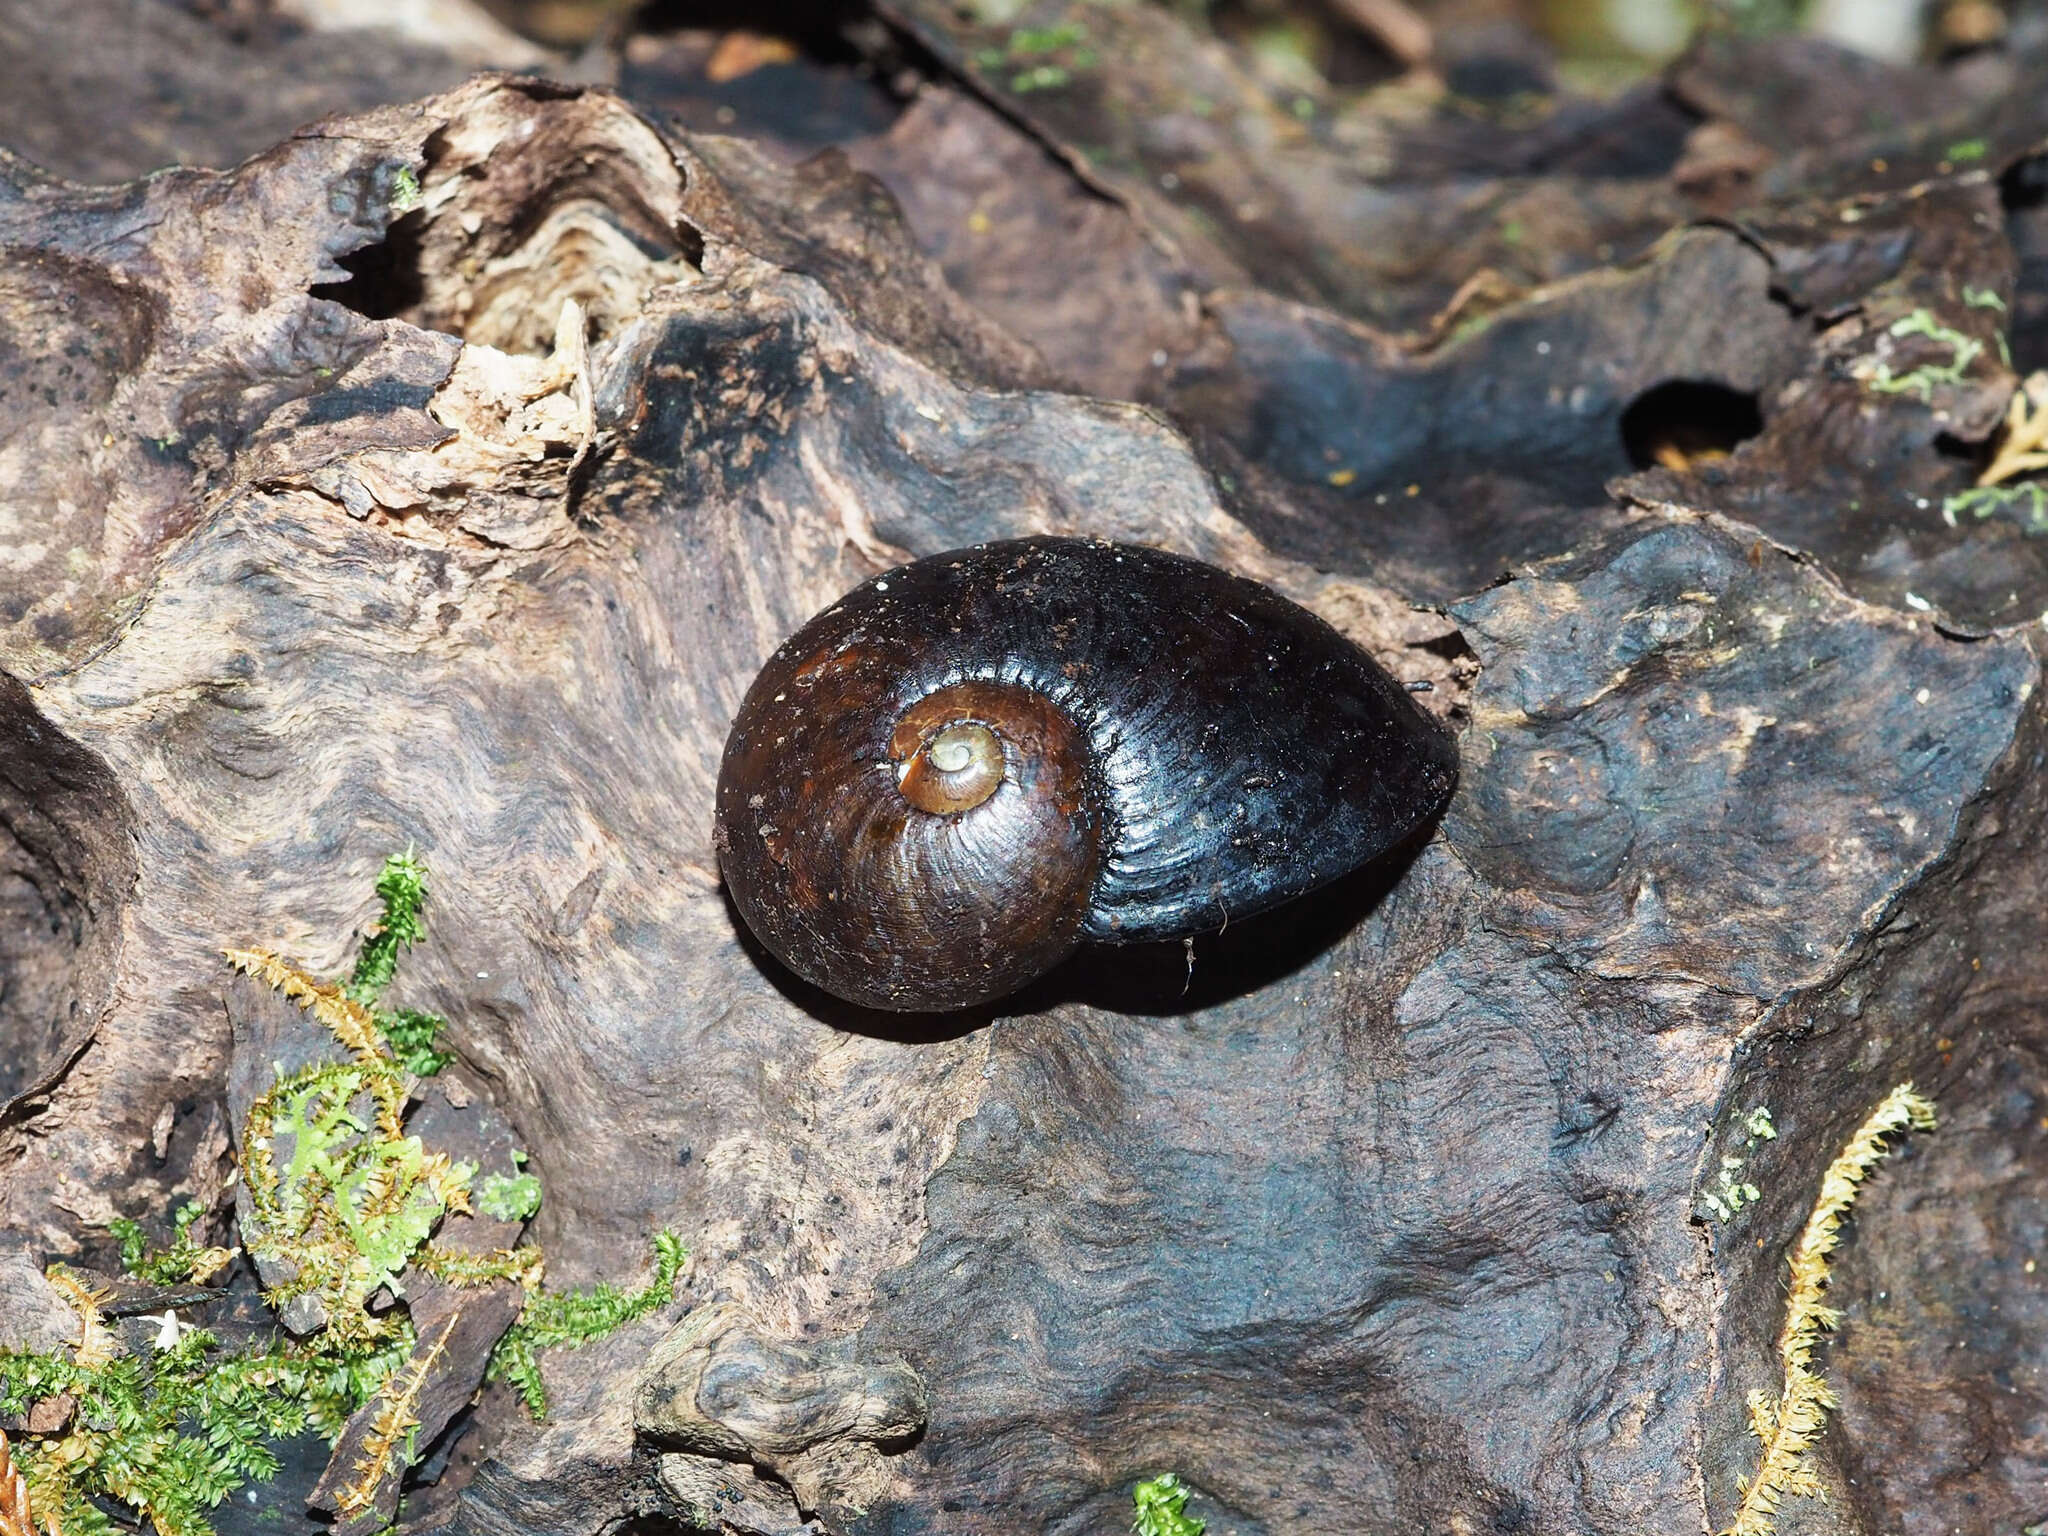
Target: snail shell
939,787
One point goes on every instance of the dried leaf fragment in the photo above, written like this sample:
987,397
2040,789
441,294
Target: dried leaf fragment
2024,447
96,1343
16,1519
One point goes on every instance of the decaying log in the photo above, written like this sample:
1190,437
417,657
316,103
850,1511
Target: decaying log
442,475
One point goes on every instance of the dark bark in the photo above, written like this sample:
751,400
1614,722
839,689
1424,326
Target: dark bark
327,537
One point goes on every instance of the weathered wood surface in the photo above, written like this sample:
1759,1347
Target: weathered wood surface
1391,1217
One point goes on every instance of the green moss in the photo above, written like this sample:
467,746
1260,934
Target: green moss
571,1319
184,1260
512,1197
173,1434
1162,1508
1040,58
352,1202
1963,351
402,889
412,1035
1731,1192
2024,502
1026,41
414,1039
1759,18
347,1202
405,191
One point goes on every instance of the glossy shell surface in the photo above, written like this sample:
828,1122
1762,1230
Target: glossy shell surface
1184,748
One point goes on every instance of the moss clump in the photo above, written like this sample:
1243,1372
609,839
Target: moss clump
411,1034
1040,58
343,1203
2024,502
405,191
184,1260
1162,1504
171,1435
513,1197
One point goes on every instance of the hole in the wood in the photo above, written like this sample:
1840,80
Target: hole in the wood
41,928
797,79
1968,456
445,1468
2024,191
1684,422
2024,184
384,281
817,28
66,864
492,257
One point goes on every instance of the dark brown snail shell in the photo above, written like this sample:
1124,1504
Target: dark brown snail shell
943,784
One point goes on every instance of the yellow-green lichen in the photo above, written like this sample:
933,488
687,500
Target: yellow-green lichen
1920,382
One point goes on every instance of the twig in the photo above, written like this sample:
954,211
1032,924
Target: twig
385,1447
